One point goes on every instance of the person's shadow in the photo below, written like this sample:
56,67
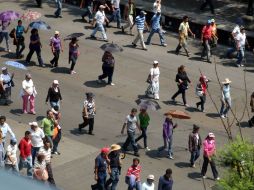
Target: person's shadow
95,84
63,70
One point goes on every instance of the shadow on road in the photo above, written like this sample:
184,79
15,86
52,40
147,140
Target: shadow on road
244,124
79,20
76,132
17,112
39,118
192,109
50,16
213,115
63,70
95,84
182,164
9,55
195,176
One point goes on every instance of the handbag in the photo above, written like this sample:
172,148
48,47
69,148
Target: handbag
199,91
148,80
12,33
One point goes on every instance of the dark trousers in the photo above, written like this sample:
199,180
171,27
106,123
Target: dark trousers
143,135
38,53
114,178
56,141
107,72
38,3
213,167
194,156
73,60
130,140
50,174
202,102
20,44
90,122
35,150
55,59
210,3
88,12
180,91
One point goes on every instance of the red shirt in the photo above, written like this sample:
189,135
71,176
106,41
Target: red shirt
207,32
25,147
134,170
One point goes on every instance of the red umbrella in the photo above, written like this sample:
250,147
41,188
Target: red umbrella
178,114
31,15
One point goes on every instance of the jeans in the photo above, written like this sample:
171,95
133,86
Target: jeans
143,135
26,163
35,150
50,174
12,168
240,55
202,102
206,49
226,103
141,38
132,183
88,12
31,100
180,91
213,167
49,138
116,15
230,51
73,60
53,104
167,143
38,53
100,27
210,3
5,35
100,185
56,141
20,43
107,72
158,30
114,178
59,7
194,156
130,140
54,61
129,24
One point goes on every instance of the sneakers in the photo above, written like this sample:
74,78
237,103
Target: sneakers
134,45
217,179
112,84
193,166
170,157
242,65
164,45
147,148
57,153
223,116
122,29
72,72
204,177
186,105
145,49
93,37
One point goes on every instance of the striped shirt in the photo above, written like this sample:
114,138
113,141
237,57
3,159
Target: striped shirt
156,21
46,153
134,170
140,21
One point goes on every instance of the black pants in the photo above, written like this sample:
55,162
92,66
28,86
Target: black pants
210,3
38,53
56,141
90,123
143,135
213,167
73,60
54,61
107,72
50,174
180,91
202,102
39,3
20,44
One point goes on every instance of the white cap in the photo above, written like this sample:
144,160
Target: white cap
4,68
57,32
34,123
150,177
155,62
102,7
55,82
211,135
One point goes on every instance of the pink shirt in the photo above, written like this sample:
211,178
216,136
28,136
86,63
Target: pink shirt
209,147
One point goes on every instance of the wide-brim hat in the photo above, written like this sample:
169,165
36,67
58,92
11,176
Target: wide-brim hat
57,32
211,135
155,62
34,123
102,7
55,82
4,68
151,177
115,147
226,81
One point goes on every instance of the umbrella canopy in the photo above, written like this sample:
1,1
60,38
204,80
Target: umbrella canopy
16,65
148,104
31,15
40,25
111,47
178,114
74,35
9,15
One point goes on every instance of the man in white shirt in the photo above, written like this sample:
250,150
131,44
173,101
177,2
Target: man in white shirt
98,22
116,12
241,41
5,128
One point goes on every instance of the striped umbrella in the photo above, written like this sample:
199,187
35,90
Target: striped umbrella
31,15
9,15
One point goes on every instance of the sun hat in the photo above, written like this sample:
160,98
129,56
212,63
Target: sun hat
4,68
102,7
226,81
115,147
57,32
105,150
150,177
34,123
211,135
155,62
55,82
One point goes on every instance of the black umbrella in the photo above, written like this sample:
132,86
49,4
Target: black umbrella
111,47
74,35
148,104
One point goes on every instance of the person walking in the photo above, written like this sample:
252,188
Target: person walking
211,5
206,37
100,169
88,11
195,144
59,6
40,171
89,111
144,120
25,158
116,12
6,84
241,42
5,129
108,65
140,21
1,151
201,91
225,98
57,133
156,28
167,134
184,30
4,34
28,93
47,124
35,46
11,161
37,137
19,39
98,22
114,167
73,53
54,95
129,14
132,178
153,78
209,154
214,34
166,181
56,47
182,81
131,123
148,185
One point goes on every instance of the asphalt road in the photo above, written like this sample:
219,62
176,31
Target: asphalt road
75,170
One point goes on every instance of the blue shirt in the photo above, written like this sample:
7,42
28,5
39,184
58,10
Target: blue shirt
19,31
140,22
156,21
101,164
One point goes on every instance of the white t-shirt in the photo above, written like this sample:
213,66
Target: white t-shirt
28,86
131,123
6,79
155,73
146,186
100,17
36,137
241,39
116,3
12,152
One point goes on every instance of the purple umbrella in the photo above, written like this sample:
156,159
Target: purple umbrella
9,15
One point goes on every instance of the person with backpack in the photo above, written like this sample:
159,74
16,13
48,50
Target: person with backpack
56,48
19,39
201,91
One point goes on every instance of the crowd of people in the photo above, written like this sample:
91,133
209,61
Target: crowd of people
41,141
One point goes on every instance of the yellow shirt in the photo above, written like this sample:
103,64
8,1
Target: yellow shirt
183,28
